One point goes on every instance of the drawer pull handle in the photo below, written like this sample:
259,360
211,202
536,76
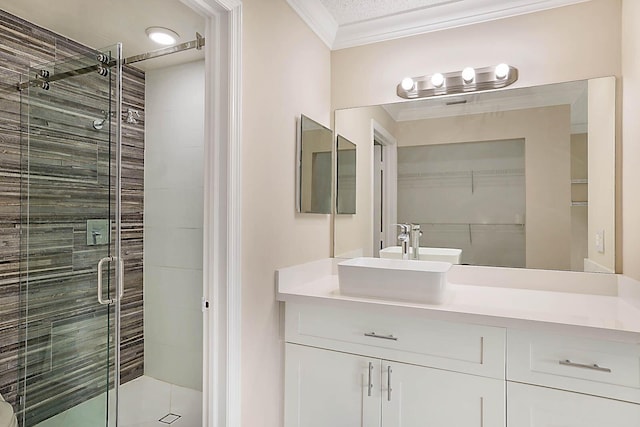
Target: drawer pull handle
593,367
383,337
370,386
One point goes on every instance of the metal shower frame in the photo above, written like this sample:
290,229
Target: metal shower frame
44,79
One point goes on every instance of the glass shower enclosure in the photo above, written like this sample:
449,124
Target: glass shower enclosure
70,268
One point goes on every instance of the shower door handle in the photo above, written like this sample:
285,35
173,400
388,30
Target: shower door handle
120,278
100,263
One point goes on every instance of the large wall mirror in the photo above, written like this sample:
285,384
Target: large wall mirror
514,178
315,166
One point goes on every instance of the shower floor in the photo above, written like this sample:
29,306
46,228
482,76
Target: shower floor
143,403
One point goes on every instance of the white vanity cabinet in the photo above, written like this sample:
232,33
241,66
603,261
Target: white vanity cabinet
330,388
372,369
432,397
490,356
558,380
378,367
534,406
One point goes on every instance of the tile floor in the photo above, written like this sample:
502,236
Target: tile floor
143,403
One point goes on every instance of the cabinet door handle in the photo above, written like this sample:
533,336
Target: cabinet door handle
593,367
370,386
389,383
383,337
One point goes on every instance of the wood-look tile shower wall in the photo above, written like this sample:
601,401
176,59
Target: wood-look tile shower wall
22,45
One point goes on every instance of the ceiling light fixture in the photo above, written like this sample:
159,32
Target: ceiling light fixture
467,80
163,36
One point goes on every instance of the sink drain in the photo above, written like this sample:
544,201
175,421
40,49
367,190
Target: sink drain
169,418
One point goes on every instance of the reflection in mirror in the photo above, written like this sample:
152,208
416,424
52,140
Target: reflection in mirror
346,176
513,178
480,192
315,166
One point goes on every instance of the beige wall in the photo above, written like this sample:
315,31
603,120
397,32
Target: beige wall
631,138
547,169
286,72
569,43
354,233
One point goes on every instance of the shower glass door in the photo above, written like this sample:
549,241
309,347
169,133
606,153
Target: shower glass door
70,223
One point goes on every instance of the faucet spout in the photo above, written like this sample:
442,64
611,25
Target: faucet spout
405,239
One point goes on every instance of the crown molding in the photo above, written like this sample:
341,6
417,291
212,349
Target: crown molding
318,18
438,17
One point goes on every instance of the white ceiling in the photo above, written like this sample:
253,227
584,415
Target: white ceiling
348,23
350,11
100,24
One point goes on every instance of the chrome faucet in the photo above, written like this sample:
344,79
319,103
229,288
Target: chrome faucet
405,239
415,241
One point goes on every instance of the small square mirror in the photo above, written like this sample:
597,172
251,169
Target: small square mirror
314,167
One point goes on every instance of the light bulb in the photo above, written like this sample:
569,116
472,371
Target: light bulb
502,71
437,80
407,83
468,74
162,35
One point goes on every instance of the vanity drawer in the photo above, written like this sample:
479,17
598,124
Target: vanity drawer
376,332
602,368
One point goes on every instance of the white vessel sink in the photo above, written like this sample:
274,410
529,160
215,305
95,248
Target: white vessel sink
395,279
425,254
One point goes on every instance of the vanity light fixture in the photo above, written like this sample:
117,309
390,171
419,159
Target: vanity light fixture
163,36
468,80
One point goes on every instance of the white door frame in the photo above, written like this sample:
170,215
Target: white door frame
390,181
222,212
379,237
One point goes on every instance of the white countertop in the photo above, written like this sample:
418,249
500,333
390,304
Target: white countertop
586,314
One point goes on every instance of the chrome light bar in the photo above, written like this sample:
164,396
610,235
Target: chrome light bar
467,80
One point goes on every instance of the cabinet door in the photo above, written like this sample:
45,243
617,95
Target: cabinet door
431,397
327,388
533,406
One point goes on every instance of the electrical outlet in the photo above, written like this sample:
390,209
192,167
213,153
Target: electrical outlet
599,243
